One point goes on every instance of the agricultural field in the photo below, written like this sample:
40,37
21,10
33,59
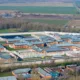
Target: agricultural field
48,21
42,9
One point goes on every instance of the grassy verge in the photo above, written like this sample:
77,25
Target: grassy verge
52,64
8,30
4,74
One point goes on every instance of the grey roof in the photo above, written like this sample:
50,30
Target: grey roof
66,36
8,78
15,39
55,49
47,39
22,43
1,46
26,75
76,40
43,72
5,55
77,45
19,71
37,48
37,42
60,41
64,44
27,39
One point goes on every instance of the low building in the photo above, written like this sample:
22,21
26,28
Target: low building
8,78
76,41
68,46
21,45
47,39
55,48
13,40
26,73
43,73
22,73
30,53
38,43
66,38
2,48
6,58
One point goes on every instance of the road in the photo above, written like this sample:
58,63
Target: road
44,33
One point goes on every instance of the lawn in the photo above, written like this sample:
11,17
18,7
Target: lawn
48,21
37,59
8,30
41,9
4,74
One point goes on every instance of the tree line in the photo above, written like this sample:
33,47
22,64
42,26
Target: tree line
25,26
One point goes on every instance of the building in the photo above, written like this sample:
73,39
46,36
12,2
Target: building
76,41
66,38
30,53
20,45
2,48
55,48
43,73
6,58
8,78
48,39
68,46
26,73
22,73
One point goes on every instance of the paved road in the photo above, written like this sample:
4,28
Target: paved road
44,32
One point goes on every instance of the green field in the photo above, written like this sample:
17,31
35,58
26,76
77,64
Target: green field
41,9
8,30
5,74
48,21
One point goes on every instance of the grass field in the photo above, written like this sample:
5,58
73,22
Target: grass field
8,30
43,9
5,74
48,21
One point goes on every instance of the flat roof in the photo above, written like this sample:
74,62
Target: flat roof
19,71
55,49
5,55
41,71
8,78
1,46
